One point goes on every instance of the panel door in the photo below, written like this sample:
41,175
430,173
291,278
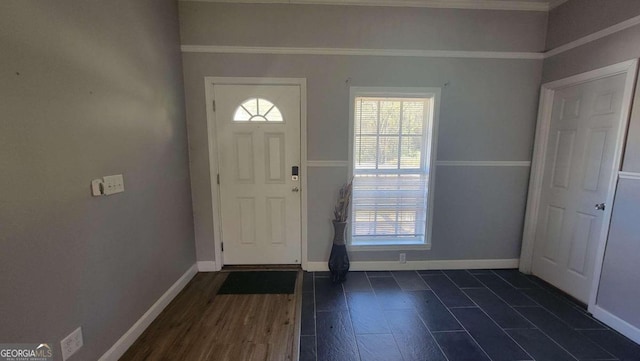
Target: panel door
577,177
258,138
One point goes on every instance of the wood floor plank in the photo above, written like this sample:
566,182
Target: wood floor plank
201,325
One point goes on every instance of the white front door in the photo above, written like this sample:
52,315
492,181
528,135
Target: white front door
577,178
258,137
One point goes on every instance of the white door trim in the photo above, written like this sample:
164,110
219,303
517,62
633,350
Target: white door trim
539,155
209,82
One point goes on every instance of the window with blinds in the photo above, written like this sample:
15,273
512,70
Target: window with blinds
391,162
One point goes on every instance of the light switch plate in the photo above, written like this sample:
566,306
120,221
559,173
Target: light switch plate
96,187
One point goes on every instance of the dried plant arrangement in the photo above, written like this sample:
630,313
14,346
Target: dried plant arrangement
341,210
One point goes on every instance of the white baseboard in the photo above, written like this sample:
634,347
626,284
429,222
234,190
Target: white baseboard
616,323
207,266
421,265
122,345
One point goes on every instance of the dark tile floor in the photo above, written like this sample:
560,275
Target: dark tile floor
473,315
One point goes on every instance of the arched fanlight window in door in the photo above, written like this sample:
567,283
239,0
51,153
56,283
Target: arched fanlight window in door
257,110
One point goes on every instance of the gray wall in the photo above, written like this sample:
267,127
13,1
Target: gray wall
488,107
87,89
370,27
620,284
619,290
577,18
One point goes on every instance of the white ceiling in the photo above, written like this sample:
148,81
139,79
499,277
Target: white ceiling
524,5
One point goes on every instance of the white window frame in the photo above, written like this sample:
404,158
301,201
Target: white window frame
404,92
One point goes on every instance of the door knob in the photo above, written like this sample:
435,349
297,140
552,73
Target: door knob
295,189
600,206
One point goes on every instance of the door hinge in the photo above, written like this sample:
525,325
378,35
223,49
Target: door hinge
218,178
222,246
214,105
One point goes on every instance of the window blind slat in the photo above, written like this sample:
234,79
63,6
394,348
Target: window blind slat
390,182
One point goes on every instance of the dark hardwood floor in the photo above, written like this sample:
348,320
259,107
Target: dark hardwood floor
200,325
460,315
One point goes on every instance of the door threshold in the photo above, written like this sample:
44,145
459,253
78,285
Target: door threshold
261,267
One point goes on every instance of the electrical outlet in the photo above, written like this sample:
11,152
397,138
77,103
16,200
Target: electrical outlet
403,258
72,343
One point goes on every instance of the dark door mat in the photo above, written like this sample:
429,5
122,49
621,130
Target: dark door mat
259,282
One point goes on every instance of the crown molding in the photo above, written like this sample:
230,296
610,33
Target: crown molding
555,3
594,36
520,5
225,49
